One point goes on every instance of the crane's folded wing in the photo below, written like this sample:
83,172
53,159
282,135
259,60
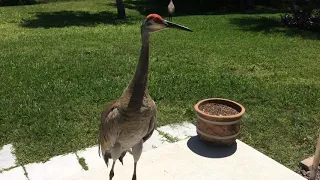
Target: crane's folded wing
109,127
152,126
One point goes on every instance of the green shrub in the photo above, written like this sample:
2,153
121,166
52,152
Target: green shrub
304,15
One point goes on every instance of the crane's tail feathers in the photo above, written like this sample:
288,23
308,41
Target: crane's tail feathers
121,160
99,150
100,140
106,158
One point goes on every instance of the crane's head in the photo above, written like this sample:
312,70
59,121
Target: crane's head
154,23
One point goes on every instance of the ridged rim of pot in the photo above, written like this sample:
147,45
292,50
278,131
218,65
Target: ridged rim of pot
203,114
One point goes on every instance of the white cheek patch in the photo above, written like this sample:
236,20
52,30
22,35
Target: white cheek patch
155,26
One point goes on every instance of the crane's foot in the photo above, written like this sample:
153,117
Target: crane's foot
134,177
111,175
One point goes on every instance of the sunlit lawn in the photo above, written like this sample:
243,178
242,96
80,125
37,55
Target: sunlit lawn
61,63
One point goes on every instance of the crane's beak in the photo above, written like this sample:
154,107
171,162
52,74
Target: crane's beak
176,26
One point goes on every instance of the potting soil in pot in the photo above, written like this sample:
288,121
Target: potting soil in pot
217,109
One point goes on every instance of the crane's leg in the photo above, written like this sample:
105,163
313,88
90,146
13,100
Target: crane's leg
111,174
134,176
136,152
115,154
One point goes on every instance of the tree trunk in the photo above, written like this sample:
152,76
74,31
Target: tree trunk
250,3
121,9
246,4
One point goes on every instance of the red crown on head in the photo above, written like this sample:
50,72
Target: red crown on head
155,17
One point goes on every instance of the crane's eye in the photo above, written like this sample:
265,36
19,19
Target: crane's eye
149,23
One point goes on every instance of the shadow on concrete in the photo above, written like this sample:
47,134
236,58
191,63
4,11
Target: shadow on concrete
74,18
196,145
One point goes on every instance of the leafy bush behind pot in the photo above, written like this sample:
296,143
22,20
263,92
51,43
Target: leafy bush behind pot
305,14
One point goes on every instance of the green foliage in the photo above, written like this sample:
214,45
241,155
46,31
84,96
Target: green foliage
83,163
304,15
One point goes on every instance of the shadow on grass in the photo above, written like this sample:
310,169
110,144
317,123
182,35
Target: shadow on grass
74,18
196,145
272,25
184,8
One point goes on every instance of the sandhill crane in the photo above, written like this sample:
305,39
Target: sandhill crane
171,10
128,122
316,159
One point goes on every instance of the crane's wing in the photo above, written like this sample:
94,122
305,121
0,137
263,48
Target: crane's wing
152,126
110,128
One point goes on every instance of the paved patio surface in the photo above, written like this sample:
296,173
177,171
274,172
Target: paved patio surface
161,159
192,159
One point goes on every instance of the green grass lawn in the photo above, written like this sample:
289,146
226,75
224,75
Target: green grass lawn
61,63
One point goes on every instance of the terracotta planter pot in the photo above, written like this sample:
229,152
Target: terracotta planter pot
222,130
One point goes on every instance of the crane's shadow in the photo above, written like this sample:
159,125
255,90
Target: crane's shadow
61,19
199,147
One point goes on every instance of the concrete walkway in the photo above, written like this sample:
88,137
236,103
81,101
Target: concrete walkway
192,159
189,158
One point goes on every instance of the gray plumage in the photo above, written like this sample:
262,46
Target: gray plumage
129,121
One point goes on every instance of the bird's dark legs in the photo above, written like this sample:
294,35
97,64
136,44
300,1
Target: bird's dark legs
136,152
111,174
134,176
115,153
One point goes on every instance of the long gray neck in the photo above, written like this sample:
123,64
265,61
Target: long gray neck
138,85
141,75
